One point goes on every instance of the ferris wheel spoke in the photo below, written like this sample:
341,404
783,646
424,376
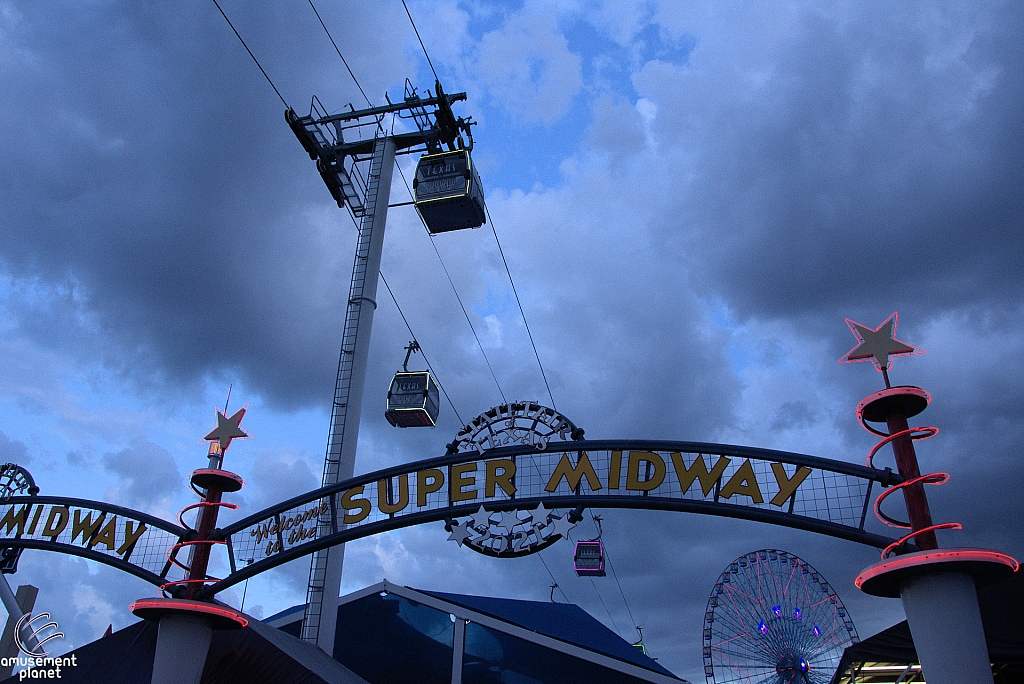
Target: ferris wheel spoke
742,614
745,671
826,649
731,654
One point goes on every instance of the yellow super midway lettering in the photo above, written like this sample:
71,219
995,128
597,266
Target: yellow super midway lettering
427,482
633,481
85,526
787,485
106,535
573,474
56,522
459,477
12,520
349,502
744,482
615,470
504,480
35,520
403,495
698,471
131,535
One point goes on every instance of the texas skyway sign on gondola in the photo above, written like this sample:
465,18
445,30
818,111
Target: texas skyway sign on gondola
513,482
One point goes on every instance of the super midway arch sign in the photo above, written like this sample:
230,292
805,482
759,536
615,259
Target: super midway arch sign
129,540
513,460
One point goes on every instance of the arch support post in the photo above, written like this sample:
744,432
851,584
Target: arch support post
182,644
934,603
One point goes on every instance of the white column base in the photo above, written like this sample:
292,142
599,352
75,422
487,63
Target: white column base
944,619
182,643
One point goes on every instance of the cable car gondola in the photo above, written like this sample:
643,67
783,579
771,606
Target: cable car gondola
588,560
448,193
414,398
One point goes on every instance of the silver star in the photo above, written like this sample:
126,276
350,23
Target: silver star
540,515
460,531
877,345
562,525
509,519
482,518
227,429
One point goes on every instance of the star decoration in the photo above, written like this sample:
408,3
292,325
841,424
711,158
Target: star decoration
509,519
482,518
227,429
562,525
460,532
877,345
540,515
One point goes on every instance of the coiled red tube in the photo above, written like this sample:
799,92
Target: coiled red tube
172,552
914,433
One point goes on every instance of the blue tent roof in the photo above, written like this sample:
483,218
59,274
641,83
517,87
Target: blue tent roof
563,621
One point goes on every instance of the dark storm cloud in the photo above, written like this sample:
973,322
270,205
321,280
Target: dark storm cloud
277,479
148,163
147,472
851,157
13,451
856,154
798,165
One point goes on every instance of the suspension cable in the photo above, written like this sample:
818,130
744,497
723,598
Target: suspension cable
608,558
416,30
523,313
603,605
343,60
400,312
422,353
427,55
555,584
405,181
409,328
251,55
597,591
457,297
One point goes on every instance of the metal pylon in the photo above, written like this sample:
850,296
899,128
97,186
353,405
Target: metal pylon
320,620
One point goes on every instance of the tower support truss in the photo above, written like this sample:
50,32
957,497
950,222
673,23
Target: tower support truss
319,622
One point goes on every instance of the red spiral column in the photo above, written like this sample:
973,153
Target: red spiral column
186,615
938,587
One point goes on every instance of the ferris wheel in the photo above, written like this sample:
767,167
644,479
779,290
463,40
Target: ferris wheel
773,619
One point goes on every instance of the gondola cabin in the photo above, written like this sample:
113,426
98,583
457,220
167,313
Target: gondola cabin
413,400
589,559
448,192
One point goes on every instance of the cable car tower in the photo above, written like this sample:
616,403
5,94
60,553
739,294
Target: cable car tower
357,173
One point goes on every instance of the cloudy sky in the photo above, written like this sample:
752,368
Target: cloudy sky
691,197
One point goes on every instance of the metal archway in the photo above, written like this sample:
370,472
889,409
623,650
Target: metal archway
128,540
782,488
